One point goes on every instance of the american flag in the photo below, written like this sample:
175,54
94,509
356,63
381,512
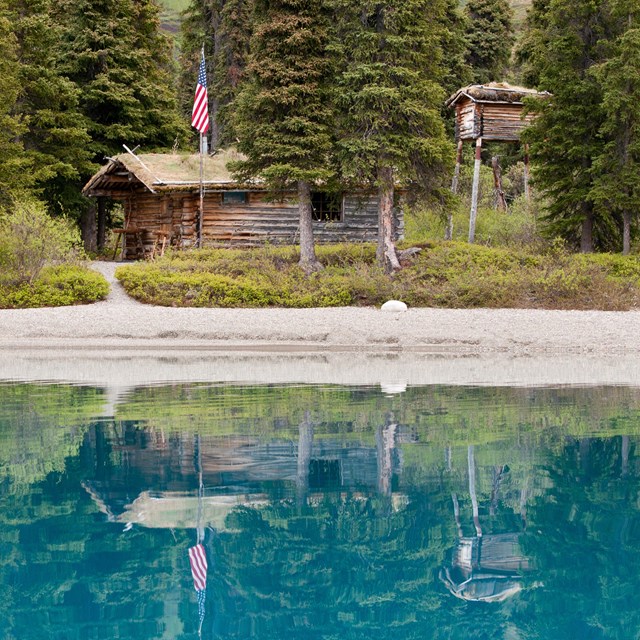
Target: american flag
200,113
198,561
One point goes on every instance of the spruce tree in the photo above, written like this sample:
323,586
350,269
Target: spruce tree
456,71
390,123
15,165
570,38
616,185
54,132
490,38
283,114
115,54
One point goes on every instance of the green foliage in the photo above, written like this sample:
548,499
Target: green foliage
490,38
516,229
389,90
454,275
456,72
39,261
15,167
55,138
584,140
284,112
122,64
56,287
620,156
31,239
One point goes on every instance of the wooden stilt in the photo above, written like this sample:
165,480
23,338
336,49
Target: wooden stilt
448,234
475,191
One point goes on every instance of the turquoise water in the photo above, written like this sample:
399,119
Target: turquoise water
324,512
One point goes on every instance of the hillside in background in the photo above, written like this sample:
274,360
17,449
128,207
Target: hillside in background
171,10
520,12
170,14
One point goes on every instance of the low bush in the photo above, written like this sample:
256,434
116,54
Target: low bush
54,287
443,274
30,239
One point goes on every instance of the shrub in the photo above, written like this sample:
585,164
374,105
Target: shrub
54,287
443,274
30,239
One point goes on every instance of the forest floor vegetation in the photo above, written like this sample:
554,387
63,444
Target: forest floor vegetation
442,274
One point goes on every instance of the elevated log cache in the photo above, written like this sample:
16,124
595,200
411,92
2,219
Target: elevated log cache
488,113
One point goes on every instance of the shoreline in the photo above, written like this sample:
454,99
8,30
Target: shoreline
341,345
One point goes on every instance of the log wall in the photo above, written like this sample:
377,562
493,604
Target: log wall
253,223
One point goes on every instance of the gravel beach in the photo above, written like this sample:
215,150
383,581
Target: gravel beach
477,346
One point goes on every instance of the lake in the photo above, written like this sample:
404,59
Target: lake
323,511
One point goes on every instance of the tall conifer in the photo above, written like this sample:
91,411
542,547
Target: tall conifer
55,135
570,38
490,38
115,54
617,167
15,165
284,110
391,129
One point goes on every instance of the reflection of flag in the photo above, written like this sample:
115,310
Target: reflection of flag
198,561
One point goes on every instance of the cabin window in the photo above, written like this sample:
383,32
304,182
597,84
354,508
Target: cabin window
234,197
327,207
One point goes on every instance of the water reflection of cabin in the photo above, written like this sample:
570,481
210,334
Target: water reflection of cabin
160,196
154,478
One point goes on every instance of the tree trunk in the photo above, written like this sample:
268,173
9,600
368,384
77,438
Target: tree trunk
102,222
586,238
386,251
471,465
305,446
308,260
626,232
88,227
501,201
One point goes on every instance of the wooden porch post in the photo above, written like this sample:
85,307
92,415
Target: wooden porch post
475,191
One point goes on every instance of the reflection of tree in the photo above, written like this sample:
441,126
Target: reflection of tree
305,444
385,446
40,426
338,567
588,545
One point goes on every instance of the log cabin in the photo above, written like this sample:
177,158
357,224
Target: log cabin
160,195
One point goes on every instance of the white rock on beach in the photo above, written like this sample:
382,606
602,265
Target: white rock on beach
394,306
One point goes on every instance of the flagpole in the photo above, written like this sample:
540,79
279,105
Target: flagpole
200,219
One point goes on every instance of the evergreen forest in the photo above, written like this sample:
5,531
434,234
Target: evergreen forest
337,91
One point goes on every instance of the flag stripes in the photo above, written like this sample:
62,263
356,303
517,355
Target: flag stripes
198,561
200,113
